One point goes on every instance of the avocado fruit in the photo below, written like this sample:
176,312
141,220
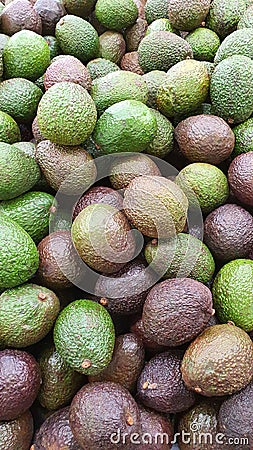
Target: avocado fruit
80,8
19,15
160,25
219,361
243,138
135,34
237,43
119,412
204,44
99,194
20,381
50,12
9,130
240,178
150,346
53,45
130,62
100,67
112,46
155,9
187,16
223,16
156,430
154,79
163,142
17,433
67,68
116,14
246,20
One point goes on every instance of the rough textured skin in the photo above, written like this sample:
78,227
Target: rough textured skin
162,50
102,237
127,126
176,311
27,314
235,281
157,207
237,43
59,382
126,364
230,88
154,80
156,9
246,20
70,169
98,410
125,168
116,14
154,425
77,37
19,257
236,417
31,211
26,55
81,8
223,16
9,130
130,62
100,67
150,346
17,433
205,138
135,34
184,89
219,361
204,44
160,25
19,15
56,252
188,15
67,68
186,255
116,87
164,140
160,385
99,194
53,45
205,185
134,275
228,232
56,433
84,333
243,137
28,95
240,178
50,12
112,46
19,383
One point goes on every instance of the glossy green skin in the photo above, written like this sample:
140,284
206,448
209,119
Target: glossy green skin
154,80
127,126
204,185
53,45
204,44
25,318
235,105
243,138
66,114
224,16
59,381
232,293
187,257
19,258
26,55
9,130
100,67
19,172
116,14
246,20
84,331
116,87
164,140
31,211
155,9
77,37
17,434
240,42
160,25
28,95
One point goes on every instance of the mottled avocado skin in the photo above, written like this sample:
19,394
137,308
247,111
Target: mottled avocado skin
154,425
17,433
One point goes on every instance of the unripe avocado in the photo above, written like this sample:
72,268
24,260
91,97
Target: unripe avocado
187,16
243,137
237,43
160,25
204,44
224,16
9,130
100,67
67,68
112,46
246,20
156,9
81,8
154,80
163,142
116,14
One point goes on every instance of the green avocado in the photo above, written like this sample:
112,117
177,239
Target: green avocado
224,16
243,137
100,67
239,42
116,14
9,130
204,44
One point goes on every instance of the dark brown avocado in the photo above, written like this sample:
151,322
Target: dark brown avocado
17,434
99,194
50,12
150,346
20,15
156,430
135,34
240,178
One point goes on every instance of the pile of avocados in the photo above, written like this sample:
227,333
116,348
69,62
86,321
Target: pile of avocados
126,224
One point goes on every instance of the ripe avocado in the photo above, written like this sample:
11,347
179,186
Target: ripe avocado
112,46
135,34
100,67
163,143
19,15
17,433
156,430
223,16
204,44
187,16
9,130
67,68
150,346
243,137
19,383
116,14
237,43
130,62
99,194
154,80
50,12
219,361
240,174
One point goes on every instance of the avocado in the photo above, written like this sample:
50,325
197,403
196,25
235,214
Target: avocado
67,68
223,16
219,361
149,345
77,37
228,232
160,25
163,143
156,9
205,186
154,80
19,15
186,256
246,20
19,383
127,126
130,62
156,206
116,14
243,137
184,90
204,44
50,12
17,433
187,16
106,246
125,168
99,194
81,8
205,138
29,96
235,280
135,34
112,409
160,385
237,43
126,364
53,45
66,114
162,50
156,430
84,336
100,67
240,178
9,130
116,87
55,432
112,46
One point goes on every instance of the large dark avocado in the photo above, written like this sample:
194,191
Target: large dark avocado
98,194
240,178
160,385
17,434
100,411
20,381
20,15
149,345
156,430
50,12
